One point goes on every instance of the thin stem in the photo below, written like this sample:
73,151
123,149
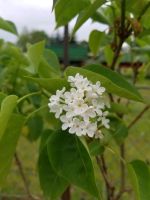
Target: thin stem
123,11
27,96
138,116
146,7
103,168
116,55
66,46
20,168
122,153
122,171
66,195
121,34
34,112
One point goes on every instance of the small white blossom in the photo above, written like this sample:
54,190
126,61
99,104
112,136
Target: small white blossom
67,122
82,109
77,127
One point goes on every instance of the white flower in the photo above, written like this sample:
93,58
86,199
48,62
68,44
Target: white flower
56,108
98,89
91,129
89,113
79,106
77,127
104,120
79,82
82,109
67,122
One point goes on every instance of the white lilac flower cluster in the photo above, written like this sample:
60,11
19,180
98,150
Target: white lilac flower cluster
82,109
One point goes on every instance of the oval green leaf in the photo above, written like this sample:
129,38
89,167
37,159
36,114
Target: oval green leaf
51,183
7,107
71,160
8,26
66,10
140,177
112,81
95,40
8,143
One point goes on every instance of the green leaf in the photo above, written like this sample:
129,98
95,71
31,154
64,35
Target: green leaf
8,26
8,144
52,59
35,53
35,125
7,107
44,138
112,81
109,54
50,84
95,40
118,130
119,108
136,6
96,148
54,3
140,177
51,183
53,123
99,17
145,23
72,161
46,71
66,10
86,14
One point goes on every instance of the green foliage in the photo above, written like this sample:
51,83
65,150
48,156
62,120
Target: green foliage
140,174
64,159
8,26
97,36
35,126
96,148
32,37
119,108
86,14
45,70
8,143
109,54
7,107
34,54
50,84
118,130
112,81
63,12
72,161
51,183
52,59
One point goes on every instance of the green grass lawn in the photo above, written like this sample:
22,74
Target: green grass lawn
137,147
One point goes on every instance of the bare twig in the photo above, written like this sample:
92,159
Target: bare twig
143,11
116,55
103,168
122,175
20,168
121,34
138,116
